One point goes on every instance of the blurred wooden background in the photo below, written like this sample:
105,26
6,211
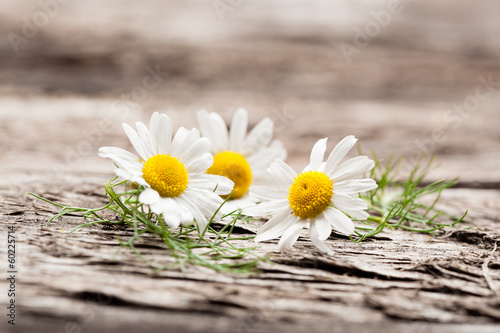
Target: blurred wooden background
71,73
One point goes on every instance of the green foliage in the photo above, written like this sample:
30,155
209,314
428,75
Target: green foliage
398,203
210,248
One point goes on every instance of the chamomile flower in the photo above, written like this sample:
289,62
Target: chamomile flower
172,170
323,196
240,157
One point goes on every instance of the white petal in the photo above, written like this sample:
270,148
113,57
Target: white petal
353,186
263,159
200,164
323,227
198,148
264,193
209,201
149,196
154,124
317,154
238,129
267,208
160,127
146,138
276,226
172,219
339,221
178,139
186,216
316,237
265,179
188,141
158,206
201,220
205,126
203,117
352,168
211,182
339,152
136,141
183,140
354,207
359,215
282,174
213,127
133,178
124,159
171,212
230,207
238,204
220,130
259,137
344,202
224,185
291,235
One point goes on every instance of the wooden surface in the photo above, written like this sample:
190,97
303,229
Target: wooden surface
279,59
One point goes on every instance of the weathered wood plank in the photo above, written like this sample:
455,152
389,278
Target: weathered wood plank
400,276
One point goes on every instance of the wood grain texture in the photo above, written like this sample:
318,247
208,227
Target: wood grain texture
393,279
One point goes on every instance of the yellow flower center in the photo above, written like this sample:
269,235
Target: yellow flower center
310,194
235,167
166,175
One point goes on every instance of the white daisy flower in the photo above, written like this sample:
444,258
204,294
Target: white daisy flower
172,170
323,196
240,157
